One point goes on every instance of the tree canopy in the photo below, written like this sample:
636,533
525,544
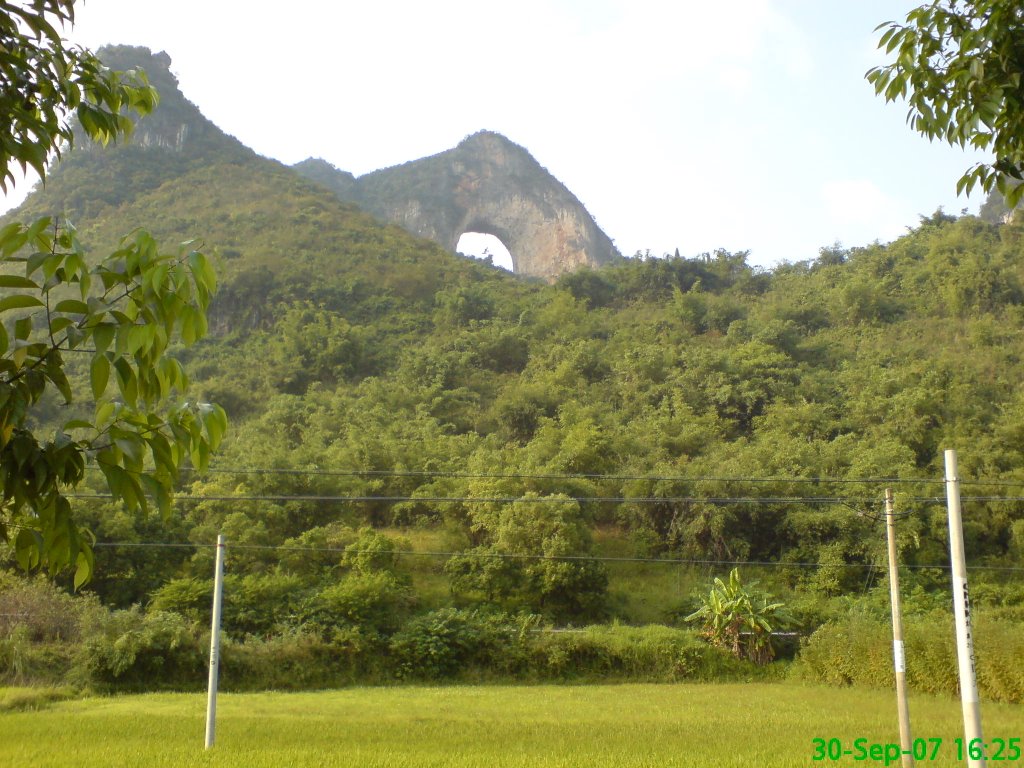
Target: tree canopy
958,64
123,311
44,84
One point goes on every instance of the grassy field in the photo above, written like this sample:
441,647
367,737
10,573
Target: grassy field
585,726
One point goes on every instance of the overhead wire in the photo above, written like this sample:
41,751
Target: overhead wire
713,500
739,479
316,471
526,556
525,499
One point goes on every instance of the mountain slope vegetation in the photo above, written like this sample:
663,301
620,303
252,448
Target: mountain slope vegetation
389,398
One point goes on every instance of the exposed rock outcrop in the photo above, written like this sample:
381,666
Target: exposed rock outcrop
176,124
486,184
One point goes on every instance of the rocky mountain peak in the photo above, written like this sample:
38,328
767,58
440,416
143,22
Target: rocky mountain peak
486,184
176,124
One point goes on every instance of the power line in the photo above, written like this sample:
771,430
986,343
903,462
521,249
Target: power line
571,476
847,501
714,500
819,480
514,556
317,472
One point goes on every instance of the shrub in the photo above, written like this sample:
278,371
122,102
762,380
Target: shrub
14,647
440,644
141,652
314,552
301,661
261,604
38,625
23,662
737,617
38,605
190,597
372,551
654,654
857,650
370,602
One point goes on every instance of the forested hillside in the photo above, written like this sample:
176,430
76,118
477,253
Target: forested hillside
414,432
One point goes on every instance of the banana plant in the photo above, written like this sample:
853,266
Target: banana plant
736,617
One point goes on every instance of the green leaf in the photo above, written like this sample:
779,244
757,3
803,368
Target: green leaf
163,459
157,276
104,413
76,424
16,281
19,301
158,492
84,566
74,336
59,324
1013,197
188,326
73,306
202,272
99,375
126,380
131,447
27,547
55,373
45,260
200,455
140,337
214,426
12,239
102,336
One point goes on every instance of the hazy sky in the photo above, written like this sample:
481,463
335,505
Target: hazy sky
738,124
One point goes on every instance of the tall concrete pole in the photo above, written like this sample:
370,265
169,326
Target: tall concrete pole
218,593
899,657
962,612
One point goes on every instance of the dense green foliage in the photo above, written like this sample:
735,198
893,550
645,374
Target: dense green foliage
857,650
521,401
425,448
958,64
736,616
142,299
78,641
123,309
44,81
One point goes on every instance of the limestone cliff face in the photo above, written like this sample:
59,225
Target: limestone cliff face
176,124
91,181
486,184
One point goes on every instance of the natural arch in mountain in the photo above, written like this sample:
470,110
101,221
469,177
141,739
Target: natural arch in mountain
489,185
482,245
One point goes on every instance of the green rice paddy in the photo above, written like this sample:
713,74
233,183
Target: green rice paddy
536,726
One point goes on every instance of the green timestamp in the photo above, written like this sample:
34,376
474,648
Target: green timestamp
859,750
993,749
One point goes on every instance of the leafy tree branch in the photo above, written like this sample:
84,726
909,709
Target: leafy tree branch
958,64
143,300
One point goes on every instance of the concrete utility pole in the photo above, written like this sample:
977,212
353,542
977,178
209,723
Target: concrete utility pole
218,593
962,613
899,658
